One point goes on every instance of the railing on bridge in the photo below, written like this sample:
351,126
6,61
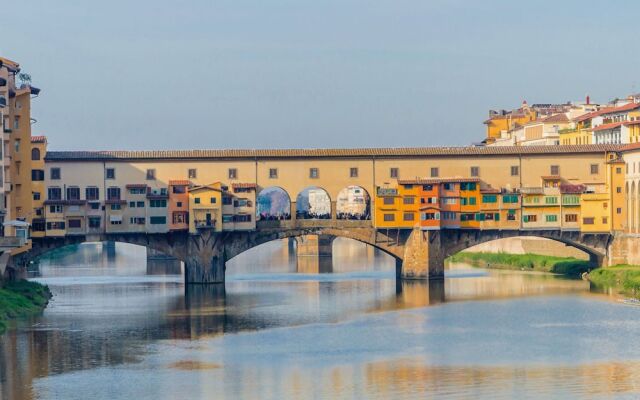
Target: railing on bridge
312,223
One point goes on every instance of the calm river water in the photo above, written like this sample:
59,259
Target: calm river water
118,328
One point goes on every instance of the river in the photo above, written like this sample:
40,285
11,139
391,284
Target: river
118,328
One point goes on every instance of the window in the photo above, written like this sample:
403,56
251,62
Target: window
92,193
94,206
530,218
132,204
273,173
140,204
227,218
137,190
115,207
408,200
449,186
157,220
393,172
113,193
94,222
75,223
435,172
213,200
389,217
551,218
116,222
571,218
588,221
353,172
605,220
555,170
179,217
618,170
449,200
618,210
36,195
468,186
389,200
515,170
313,173
475,171
157,203
551,200
489,198
137,220
35,154
408,216
151,174
111,173
427,188
55,226
192,173
55,209
178,204
226,200
594,169
233,173
37,175
73,193
179,189
54,173
16,122
54,193
196,200
242,218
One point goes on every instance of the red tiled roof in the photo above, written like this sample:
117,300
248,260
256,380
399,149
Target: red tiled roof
626,107
180,155
490,190
38,139
572,188
557,118
179,182
136,186
604,127
427,181
551,177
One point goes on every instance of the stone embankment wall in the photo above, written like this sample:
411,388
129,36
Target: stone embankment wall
624,249
531,245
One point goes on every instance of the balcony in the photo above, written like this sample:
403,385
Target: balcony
205,224
532,190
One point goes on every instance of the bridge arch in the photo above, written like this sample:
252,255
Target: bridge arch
313,202
273,203
354,203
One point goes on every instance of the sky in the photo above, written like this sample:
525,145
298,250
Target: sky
208,74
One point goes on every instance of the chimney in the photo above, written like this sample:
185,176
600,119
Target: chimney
588,100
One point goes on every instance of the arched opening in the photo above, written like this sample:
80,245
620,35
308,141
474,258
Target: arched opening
313,203
353,203
35,154
273,203
633,206
526,253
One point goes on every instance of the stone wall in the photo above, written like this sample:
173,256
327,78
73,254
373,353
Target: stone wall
533,245
624,249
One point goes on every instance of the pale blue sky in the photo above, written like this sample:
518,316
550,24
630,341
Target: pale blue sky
143,74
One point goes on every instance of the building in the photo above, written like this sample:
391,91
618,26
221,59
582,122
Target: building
205,208
38,151
179,204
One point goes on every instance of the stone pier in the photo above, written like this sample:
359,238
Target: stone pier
314,254
205,259
423,256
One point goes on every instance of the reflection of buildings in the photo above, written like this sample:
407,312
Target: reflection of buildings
352,200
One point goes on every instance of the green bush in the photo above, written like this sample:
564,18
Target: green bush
21,298
532,262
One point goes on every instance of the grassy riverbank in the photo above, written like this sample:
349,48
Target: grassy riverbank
624,278
20,299
528,262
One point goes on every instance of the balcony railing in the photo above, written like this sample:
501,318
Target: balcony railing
532,190
204,224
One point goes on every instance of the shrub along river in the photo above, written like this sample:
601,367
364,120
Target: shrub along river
121,328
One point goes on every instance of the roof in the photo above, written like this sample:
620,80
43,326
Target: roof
202,187
38,139
626,107
551,177
557,118
490,191
180,182
173,155
604,127
136,186
427,181
572,188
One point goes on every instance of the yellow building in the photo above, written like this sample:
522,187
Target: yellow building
616,179
500,121
38,151
205,207
469,204
595,211
398,206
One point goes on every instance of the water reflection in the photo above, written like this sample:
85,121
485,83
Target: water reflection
131,329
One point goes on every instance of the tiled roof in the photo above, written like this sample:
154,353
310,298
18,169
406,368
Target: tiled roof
626,107
604,127
551,177
572,188
557,118
179,182
490,191
428,181
136,186
172,155
38,139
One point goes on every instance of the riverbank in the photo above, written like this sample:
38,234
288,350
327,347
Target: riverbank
20,299
569,266
624,278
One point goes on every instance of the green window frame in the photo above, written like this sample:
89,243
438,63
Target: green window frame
551,218
489,198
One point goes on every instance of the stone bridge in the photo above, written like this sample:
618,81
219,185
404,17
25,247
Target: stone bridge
418,254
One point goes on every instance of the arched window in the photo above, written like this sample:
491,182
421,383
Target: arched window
35,154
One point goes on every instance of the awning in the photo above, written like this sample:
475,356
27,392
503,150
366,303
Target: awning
115,218
16,223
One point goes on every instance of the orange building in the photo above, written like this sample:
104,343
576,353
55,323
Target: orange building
179,204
